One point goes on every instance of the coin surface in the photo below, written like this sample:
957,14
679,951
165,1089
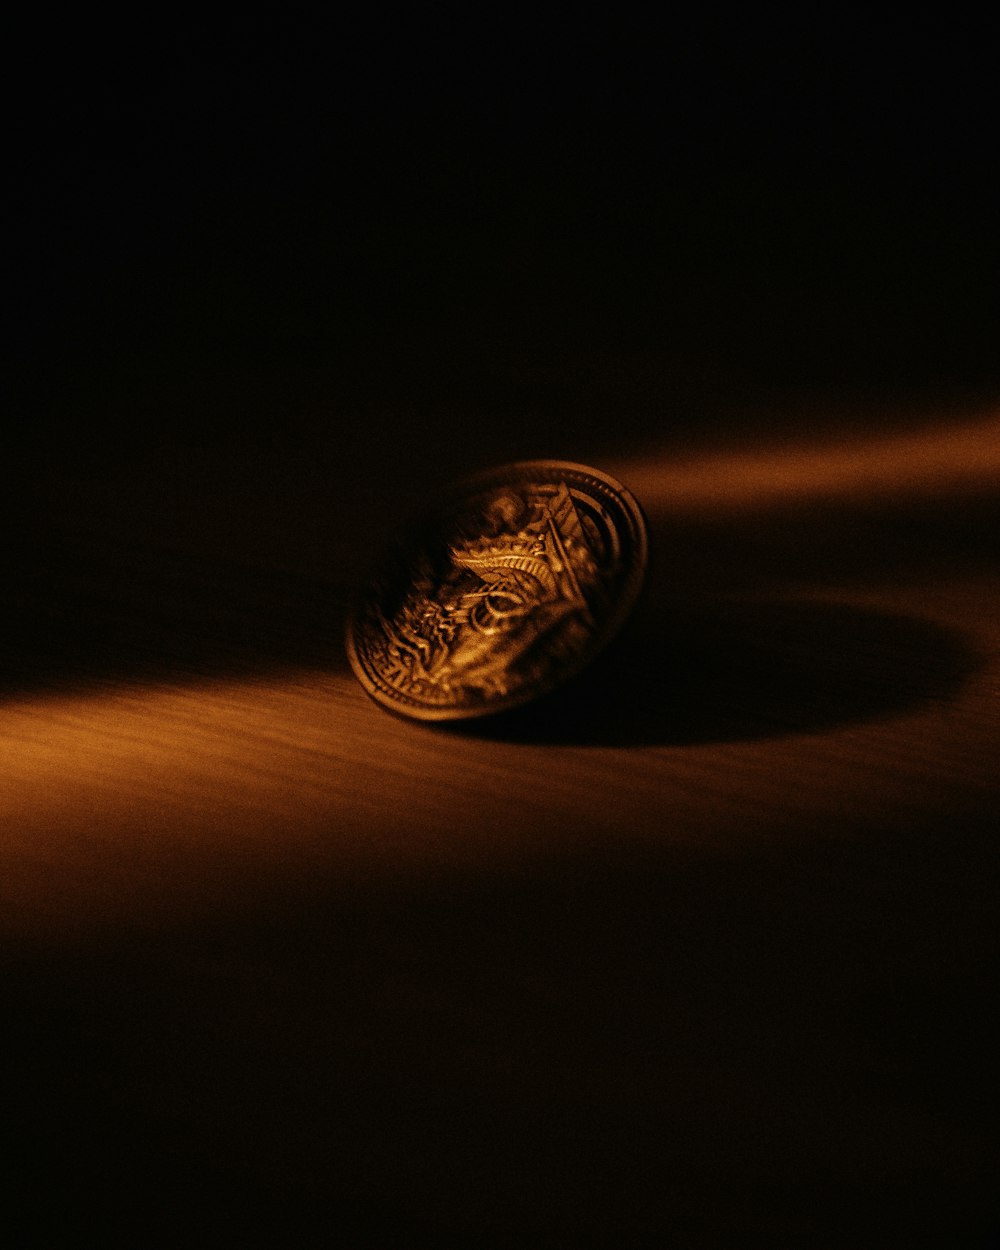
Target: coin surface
510,585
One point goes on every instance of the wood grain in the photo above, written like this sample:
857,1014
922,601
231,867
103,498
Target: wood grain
704,945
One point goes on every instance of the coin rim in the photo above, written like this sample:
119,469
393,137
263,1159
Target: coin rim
616,620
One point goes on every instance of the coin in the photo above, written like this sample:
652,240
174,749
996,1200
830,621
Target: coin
510,584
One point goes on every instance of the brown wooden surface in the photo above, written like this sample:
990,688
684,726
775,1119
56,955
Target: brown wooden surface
704,946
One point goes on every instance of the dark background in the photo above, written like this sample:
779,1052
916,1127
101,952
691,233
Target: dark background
268,279
379,230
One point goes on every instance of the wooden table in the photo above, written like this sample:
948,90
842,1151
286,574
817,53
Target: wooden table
705,947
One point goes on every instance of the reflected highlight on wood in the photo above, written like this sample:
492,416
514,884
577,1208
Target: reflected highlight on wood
964,456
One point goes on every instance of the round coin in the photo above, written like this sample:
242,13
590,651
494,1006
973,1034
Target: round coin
514,581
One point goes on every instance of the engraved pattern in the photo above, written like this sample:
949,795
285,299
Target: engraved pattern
510,588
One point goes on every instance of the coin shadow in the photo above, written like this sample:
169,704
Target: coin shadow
731,670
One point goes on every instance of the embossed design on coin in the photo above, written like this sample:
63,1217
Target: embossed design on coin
514,583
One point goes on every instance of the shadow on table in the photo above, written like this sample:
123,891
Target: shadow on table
737,669
742,633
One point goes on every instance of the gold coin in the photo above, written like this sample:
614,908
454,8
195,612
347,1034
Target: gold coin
510,585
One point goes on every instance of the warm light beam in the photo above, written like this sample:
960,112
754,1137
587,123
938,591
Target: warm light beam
928,462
